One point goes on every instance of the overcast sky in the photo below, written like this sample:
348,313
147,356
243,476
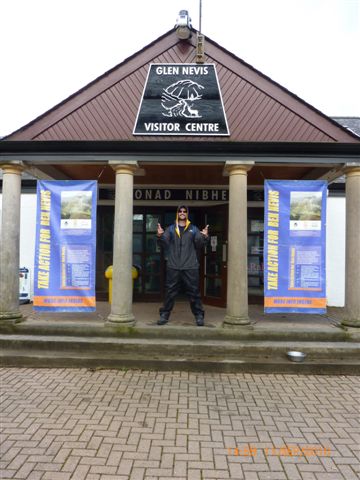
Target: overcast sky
52,48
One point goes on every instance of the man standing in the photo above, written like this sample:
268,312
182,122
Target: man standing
182,240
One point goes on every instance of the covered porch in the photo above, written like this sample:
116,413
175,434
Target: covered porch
236,171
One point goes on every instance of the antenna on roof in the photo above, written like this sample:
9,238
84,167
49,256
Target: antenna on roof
200,14
200,40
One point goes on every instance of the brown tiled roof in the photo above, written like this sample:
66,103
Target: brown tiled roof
257,108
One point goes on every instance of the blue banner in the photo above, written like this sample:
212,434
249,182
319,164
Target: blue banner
65,246
295,246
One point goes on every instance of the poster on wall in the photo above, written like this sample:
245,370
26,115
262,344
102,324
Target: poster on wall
294,246
181,99
65,246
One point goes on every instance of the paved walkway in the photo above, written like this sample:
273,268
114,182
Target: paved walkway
64,424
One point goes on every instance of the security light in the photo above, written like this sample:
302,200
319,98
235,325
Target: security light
183,25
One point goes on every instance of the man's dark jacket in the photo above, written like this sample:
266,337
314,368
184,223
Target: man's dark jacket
182,247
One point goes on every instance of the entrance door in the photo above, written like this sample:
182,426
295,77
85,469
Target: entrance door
104,250
215,258
149,258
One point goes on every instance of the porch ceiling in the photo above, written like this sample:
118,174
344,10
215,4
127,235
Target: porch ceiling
183,175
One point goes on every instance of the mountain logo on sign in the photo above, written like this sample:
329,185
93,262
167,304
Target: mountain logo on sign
178,99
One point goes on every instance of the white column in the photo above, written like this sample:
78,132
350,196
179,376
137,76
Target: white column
352,265
121,306
10,243
237,313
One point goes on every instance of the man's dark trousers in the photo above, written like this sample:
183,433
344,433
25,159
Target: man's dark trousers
190,280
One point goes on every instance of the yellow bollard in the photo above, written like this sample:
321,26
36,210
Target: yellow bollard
109,274
134,274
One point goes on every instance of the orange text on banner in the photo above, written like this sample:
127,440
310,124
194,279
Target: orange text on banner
71,301
298,302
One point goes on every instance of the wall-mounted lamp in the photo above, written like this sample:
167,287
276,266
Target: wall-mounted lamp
183,25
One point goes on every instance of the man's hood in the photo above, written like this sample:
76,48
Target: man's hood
177,219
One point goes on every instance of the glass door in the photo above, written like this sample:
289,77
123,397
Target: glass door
104,249
215,258
255,255
147,256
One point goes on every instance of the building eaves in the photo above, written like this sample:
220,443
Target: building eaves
42,148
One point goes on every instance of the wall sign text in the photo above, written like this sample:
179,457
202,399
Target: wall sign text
181,99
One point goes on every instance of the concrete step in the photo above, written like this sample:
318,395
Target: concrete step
272,332
184,354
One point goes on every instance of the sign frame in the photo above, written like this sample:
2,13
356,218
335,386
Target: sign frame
179,105
65,246
295,246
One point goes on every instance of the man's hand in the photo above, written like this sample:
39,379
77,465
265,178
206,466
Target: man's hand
160,230
205,231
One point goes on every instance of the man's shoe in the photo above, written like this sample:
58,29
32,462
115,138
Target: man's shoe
199,321
162,320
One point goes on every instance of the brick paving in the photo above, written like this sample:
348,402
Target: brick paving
64,424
